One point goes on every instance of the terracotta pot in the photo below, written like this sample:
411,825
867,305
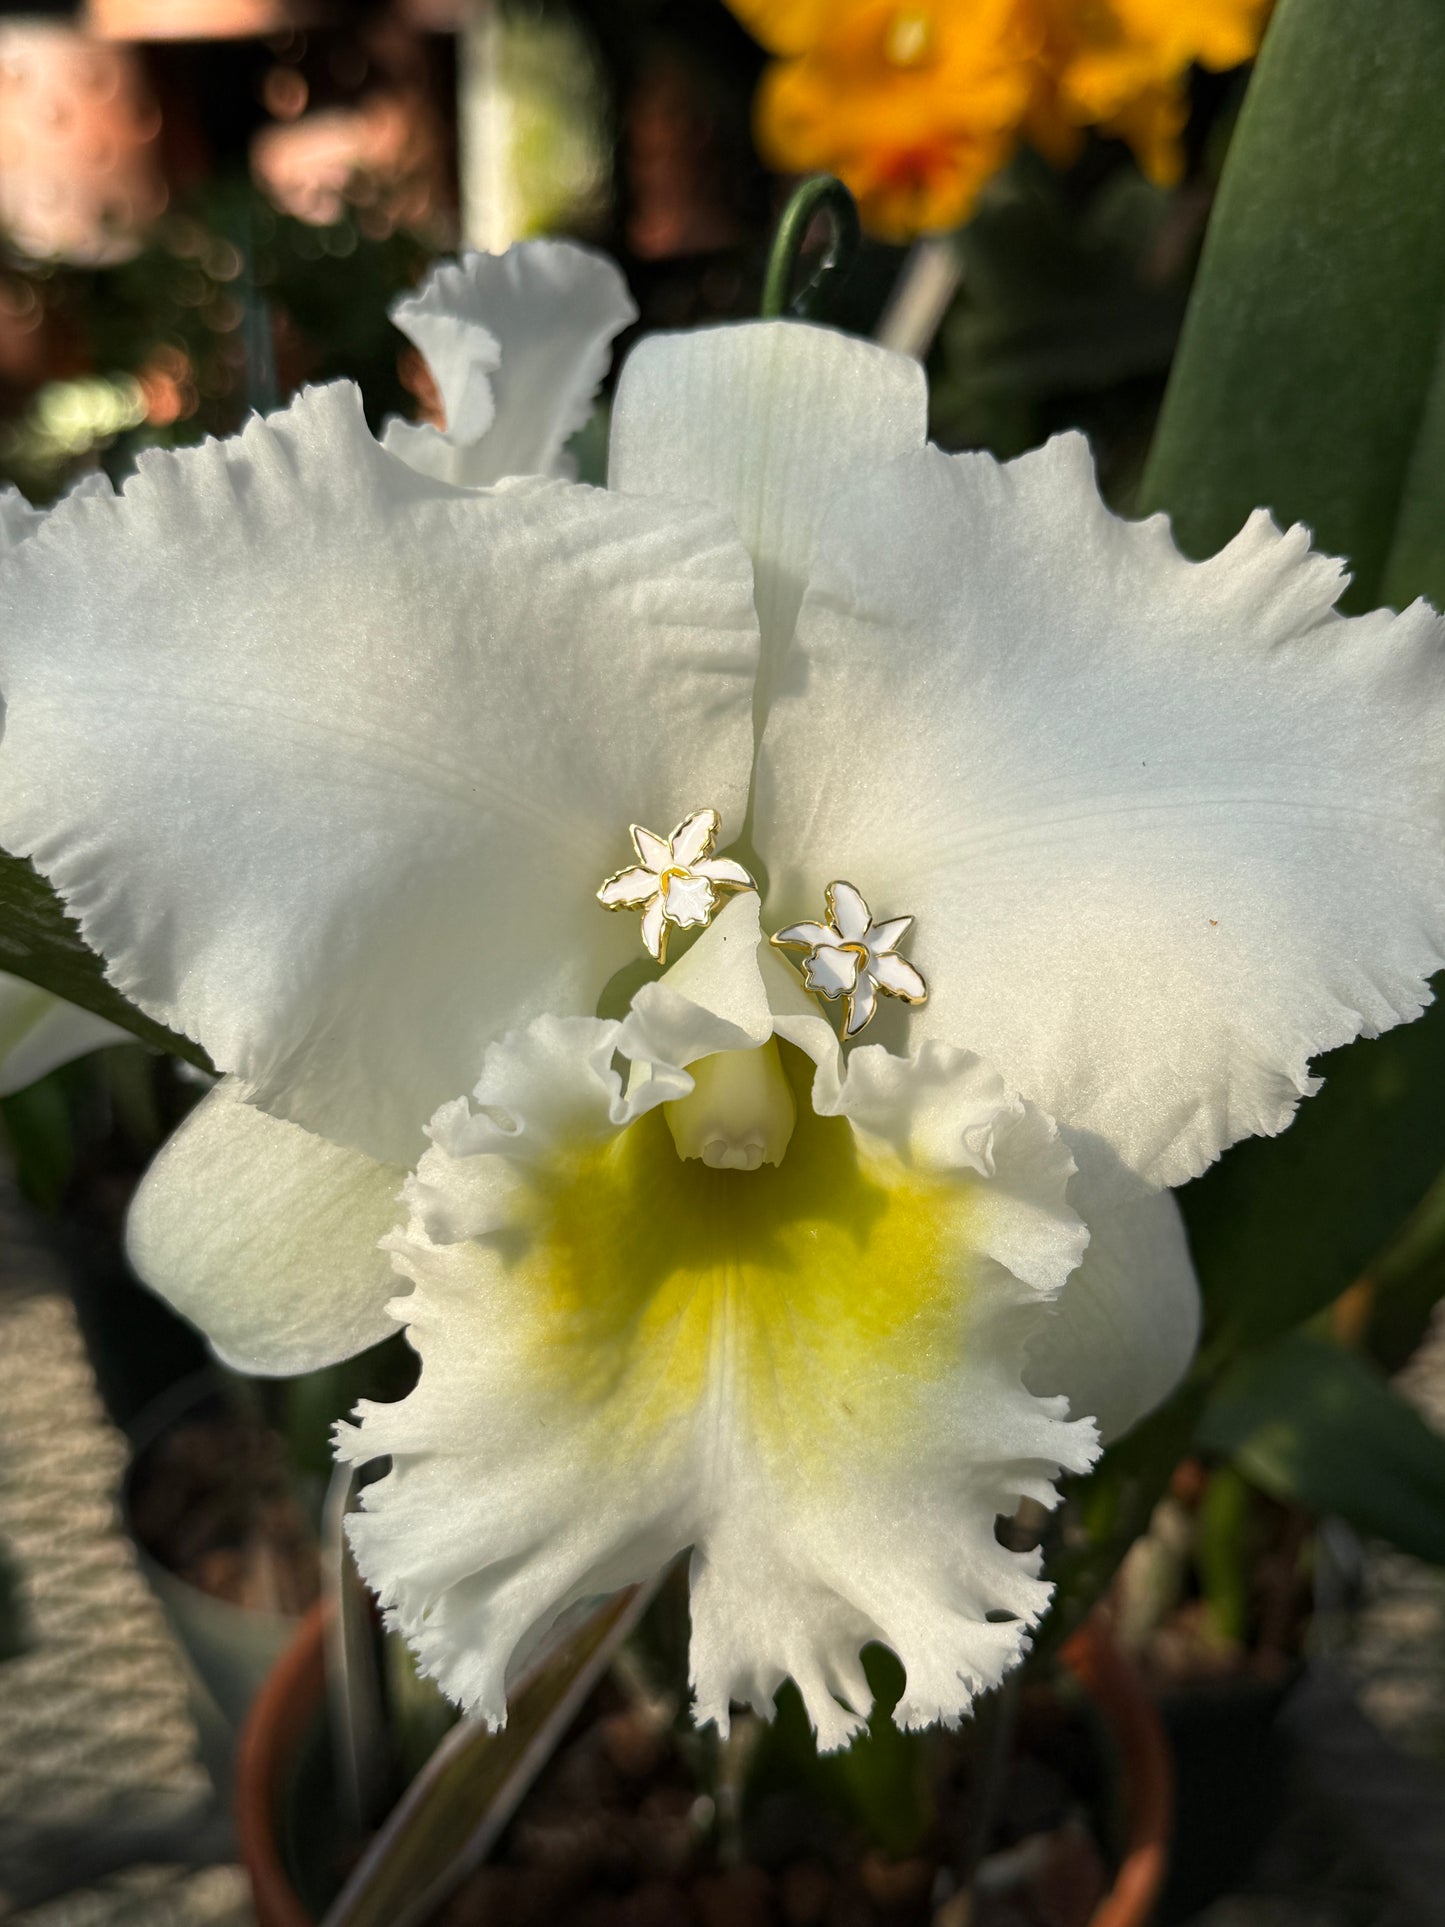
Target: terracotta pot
290,1702
1147,1771
280,1716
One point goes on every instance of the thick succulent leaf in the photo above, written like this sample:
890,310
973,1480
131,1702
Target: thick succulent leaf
39,942
1309,378
1314,1424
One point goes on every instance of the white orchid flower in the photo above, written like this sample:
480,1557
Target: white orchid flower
40,1032
329,754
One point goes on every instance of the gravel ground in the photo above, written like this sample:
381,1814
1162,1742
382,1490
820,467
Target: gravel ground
98,1758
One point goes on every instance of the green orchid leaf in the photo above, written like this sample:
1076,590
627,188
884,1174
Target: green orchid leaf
1314,1424
1407,1282
37,1132
454,1811
40,942
1280,1226
1309,379
1310,376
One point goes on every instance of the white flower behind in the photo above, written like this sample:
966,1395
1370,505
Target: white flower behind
518,344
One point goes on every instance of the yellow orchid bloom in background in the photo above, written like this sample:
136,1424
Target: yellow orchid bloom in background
1122,66
916,105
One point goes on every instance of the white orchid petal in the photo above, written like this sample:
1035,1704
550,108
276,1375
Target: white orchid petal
520,1108
723,869
944,1109
17,518
765,419
831,971
862,1002
267,1237
848,911
329,759
897,976
629,889
1123,1331
518,343
1168,829
39,1033
693,838
837,1464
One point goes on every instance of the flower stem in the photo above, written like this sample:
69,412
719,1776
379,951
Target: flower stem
820,194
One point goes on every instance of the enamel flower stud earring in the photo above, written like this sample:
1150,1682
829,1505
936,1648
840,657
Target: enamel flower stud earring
852,957
675,880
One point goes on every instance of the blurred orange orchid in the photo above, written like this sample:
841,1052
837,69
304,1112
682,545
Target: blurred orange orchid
916,104
1122,66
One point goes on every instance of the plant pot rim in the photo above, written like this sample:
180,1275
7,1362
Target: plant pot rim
1124,1701
287,1704
279,1717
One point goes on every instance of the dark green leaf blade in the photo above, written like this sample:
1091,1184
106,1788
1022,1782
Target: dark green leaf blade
1312,1423
454,1811
40,942
1309,380
1310,352
1407,1282
1280,1226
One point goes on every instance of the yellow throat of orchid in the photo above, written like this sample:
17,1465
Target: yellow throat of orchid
816,1293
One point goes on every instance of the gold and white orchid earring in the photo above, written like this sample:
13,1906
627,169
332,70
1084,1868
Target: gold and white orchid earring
852,957
676,879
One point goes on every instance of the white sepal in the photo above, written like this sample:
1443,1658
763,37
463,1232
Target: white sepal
518,343
267,1237
766,419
